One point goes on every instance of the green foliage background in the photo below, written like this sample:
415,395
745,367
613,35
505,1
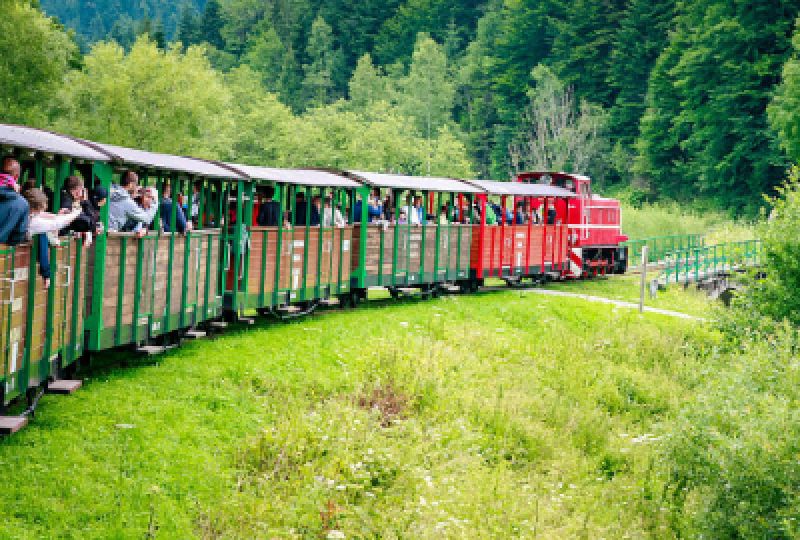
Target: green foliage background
698,98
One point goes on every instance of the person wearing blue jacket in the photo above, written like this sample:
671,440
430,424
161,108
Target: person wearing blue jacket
165,207
14,209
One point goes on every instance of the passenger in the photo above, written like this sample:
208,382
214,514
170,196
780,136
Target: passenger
194,204
331,217
388,207
412,213
165,207
551,214
123,212
420,208
42,223
491,215
443,220
300,209
14,209
375,208
269,213
521,217
99,198
147,199
403,220
73,197
316,211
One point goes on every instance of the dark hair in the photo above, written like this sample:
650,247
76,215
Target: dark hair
128,177
74,182
269,192
36,198
8,162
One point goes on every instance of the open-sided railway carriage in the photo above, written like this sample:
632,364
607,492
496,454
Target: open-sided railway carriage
150,287
399,256
42,329
514,252
301,262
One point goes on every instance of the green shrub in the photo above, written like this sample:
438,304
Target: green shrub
777,295
732,463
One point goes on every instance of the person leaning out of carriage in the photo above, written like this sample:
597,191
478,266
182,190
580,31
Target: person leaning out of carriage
45,227
124,214
13,208
75,197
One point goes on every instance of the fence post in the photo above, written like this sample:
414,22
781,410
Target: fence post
644,278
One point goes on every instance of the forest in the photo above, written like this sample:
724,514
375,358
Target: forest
693,101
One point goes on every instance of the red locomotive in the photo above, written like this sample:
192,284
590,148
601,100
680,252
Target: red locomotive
594,225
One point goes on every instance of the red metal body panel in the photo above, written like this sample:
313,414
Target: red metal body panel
506,250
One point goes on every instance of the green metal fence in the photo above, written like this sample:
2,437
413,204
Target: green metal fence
698,263
659,247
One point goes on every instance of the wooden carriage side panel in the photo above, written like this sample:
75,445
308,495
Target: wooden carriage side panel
178,278
323,264
161,269
355,247
430,248
14,308
214,268
116,266
257,268
342,249
313,255
564,234
466,233
475,254
146,298
74,326
372,260
61,281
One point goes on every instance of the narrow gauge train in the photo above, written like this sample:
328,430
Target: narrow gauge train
325,248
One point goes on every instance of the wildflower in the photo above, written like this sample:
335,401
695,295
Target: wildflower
333,534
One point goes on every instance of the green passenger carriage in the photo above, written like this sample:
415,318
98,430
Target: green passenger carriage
428,256
302,260
42,329
162,283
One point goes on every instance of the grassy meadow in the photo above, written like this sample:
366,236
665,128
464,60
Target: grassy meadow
501,414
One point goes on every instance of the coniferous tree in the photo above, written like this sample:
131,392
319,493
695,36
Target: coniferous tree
717,76
266,56
641,38
324,60
784,111
367,86
582,47
211,25
475,96
428,91
189,26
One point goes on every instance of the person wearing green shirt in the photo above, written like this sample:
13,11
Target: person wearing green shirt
491,217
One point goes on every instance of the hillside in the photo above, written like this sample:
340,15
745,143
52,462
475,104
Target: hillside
98,19
655,100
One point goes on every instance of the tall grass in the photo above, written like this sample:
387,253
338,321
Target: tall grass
487,416
663,219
